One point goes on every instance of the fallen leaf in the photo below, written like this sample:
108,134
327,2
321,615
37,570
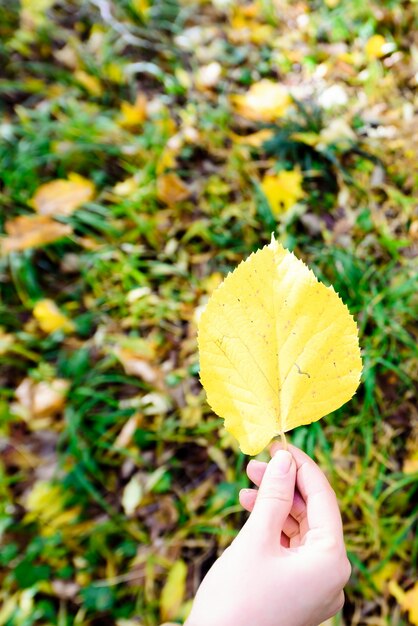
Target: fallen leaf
134,365
173,591
32,231
90,83
278,349
42,399
208,76
50,318
410,464
63,197
407,600
171,189
255,140
132,495
282,190
45,504
132,115
375,47
265,101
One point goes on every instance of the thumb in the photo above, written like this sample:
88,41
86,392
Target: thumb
275,496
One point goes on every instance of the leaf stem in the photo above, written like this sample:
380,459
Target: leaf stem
284,440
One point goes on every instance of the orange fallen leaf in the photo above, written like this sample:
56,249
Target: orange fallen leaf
171,189
32,231
63,197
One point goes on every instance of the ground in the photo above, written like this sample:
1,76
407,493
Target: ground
146,149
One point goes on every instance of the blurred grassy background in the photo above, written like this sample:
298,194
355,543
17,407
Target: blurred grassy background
187,132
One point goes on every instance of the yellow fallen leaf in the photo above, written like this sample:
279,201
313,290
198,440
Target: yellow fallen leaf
89,82
407,600
50,318
63,197
173,591
132,115
32,231
171,189
34,14
410,464
375,47
265,101
282,190
255,140
141,8
126,187
278,349
45,504
167,160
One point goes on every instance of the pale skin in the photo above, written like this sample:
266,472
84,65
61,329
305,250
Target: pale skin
288,564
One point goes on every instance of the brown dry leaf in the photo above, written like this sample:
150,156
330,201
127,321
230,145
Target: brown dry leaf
43,399
134,365
32,231
63,197
171,189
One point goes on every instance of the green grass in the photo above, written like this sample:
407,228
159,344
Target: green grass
89,561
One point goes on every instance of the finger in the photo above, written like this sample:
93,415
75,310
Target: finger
284,541
275,496
247,498
255,471
322,509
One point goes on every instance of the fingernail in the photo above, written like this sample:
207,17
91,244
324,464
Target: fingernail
283,461
256,463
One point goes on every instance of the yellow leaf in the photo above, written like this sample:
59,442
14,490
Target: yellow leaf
126,187
45,504
278,349
141,8
132,115
375,47
173,591
167,160
50,318
265,101
410,464
255,140
408,600
89,82
63,197
171,189
282,190
32,231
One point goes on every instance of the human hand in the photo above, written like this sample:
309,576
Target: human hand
288,564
